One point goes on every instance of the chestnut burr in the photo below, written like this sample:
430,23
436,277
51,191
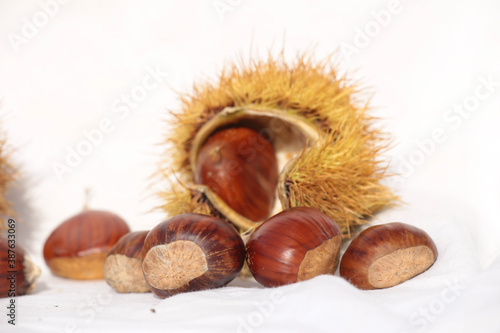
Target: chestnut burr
191,252
385,255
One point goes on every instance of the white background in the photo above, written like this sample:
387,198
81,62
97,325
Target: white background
425,58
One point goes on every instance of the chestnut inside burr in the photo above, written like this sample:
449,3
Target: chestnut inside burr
399,266
174,265
288,136
240,166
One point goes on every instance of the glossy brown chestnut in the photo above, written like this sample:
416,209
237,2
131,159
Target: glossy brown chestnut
18,274
191,252
240,166
294,245
385,255
122,268
78,247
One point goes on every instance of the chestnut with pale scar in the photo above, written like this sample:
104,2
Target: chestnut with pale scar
386,255
294,245
191,252
78,247
122,268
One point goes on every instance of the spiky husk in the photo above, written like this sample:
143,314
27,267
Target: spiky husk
339,175
180,200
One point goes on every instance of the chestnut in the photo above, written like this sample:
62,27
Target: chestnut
240,166
122,268
77,248
191,252
18,274
385,255
294,245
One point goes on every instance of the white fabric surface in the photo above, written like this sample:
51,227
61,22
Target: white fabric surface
454,295
429,58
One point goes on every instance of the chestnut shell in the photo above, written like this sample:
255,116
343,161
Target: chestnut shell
382,240
122,268
278,247
87,233
221,245
240,166
130,244
26,273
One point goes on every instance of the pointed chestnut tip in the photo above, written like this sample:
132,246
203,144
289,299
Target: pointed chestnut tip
386,255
